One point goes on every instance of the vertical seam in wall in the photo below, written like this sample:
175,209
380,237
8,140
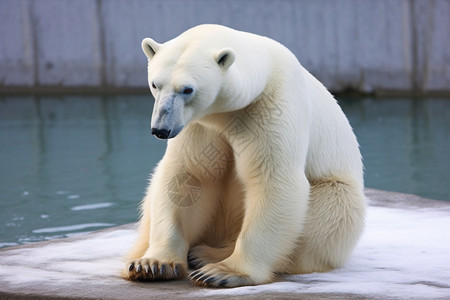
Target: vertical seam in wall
27,51
428,44
338,83
406,42
101,33
34,41
414,50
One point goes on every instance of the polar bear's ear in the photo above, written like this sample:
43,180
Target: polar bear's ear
225,57
150,47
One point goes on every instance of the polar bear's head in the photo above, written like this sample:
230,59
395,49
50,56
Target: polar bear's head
185,78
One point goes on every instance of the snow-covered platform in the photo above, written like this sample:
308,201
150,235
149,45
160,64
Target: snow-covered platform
404,253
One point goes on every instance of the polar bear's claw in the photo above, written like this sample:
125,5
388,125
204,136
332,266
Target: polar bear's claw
194,274
176,271
194,262
219,276
153,270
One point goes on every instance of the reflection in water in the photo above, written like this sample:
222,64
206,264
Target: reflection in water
404,144
64,158
71,164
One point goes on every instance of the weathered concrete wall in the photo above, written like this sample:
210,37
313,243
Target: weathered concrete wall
363,44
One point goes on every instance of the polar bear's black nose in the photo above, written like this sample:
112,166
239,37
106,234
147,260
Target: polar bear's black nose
161,133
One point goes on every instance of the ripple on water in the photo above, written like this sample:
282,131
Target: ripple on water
92,206
71,227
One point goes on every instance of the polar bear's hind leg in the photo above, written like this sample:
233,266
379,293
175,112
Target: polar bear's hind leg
333,226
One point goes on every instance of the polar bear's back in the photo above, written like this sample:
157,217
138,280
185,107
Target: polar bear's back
333,148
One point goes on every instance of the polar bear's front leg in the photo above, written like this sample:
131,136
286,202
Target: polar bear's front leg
163,256
174,223
273,221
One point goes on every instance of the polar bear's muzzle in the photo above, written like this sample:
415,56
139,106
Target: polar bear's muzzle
167,117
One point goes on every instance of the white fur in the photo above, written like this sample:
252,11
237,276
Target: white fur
288,197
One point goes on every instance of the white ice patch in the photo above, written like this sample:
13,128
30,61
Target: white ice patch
404,253
65,262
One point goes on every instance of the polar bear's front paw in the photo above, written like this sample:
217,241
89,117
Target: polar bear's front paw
148,269
219,275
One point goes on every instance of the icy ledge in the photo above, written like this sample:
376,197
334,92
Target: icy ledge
404,253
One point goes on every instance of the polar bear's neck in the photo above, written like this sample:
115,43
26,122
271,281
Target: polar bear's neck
256,69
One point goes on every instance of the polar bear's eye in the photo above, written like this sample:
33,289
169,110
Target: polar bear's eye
154,85
188,90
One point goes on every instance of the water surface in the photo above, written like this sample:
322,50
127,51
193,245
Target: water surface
74,164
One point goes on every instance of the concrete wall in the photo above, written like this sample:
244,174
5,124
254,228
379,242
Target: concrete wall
368,45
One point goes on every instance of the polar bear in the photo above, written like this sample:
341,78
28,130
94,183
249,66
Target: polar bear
262,174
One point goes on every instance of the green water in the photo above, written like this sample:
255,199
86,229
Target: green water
75,164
